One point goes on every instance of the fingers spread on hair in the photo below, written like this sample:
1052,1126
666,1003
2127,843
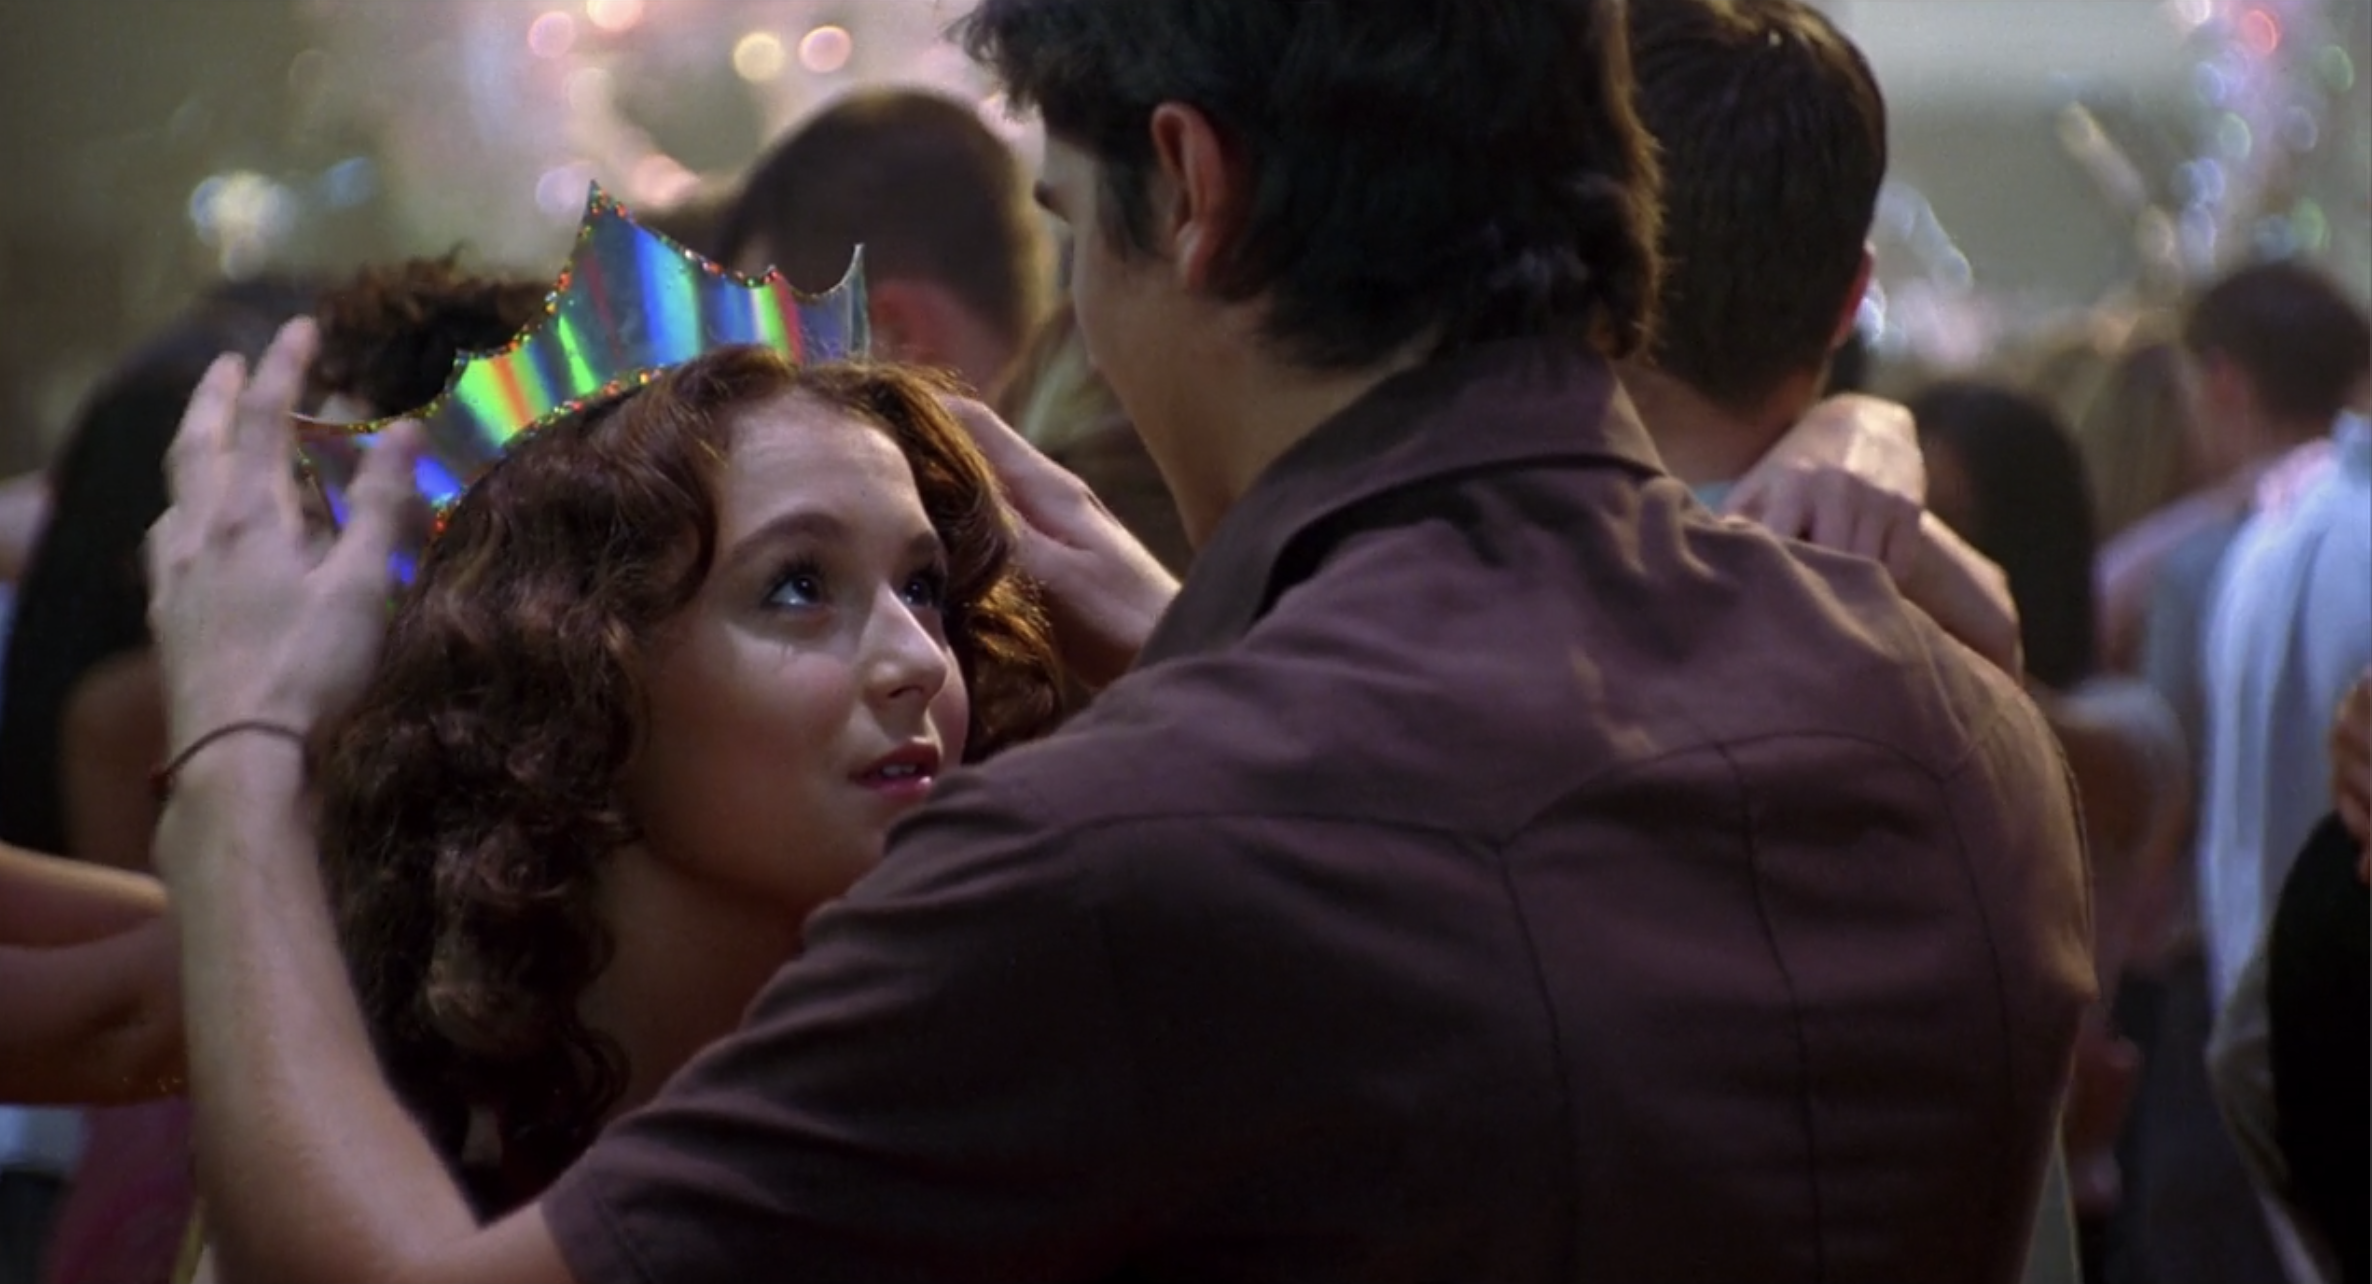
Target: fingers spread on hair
262,443
192,460
382,488
1042,492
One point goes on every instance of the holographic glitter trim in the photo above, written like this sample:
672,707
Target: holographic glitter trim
630,305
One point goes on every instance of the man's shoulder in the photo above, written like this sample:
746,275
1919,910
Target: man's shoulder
1189,737
1464,674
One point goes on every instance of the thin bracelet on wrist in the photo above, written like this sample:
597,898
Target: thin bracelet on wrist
161,780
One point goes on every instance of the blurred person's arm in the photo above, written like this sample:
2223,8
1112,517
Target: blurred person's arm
111,737
1850,476
90,1005
47,902
1966,595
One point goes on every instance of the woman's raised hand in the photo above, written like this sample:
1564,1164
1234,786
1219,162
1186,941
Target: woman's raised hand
252,622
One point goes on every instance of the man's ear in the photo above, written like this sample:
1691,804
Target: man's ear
1850,315
1198,192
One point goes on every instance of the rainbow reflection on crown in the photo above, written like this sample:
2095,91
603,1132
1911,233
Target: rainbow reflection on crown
630,305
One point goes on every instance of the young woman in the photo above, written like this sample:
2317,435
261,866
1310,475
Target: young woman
668,674
2005,470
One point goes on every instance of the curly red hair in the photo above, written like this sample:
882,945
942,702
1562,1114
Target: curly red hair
470,799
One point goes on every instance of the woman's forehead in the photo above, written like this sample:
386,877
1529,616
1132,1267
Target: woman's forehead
797,448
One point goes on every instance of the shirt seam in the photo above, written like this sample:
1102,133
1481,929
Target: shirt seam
1566,1105
1743,795
612,1229
2005,1026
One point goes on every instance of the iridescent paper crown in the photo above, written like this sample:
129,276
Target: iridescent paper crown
630,305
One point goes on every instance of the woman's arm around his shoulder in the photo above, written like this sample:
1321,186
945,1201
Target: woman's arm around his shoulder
1850,476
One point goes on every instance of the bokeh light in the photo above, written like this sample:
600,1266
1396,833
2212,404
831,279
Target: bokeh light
2311,226
2233,136
552,35
560,193
2211,84
243,215
2337,67
826,49
614,15
758,57
2260,31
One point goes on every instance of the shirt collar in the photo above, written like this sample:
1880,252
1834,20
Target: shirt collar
1492,406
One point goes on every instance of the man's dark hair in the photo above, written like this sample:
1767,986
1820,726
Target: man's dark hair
2301,342
389,335
1773,138
1460,169
921,182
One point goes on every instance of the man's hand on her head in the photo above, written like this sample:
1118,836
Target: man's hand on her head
1849,476
1104,591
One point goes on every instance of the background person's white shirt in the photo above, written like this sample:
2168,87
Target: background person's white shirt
2290,630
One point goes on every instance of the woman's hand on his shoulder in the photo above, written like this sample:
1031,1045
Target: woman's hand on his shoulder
1848,476
252,621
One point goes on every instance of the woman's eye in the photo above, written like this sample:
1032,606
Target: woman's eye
927,590
800,586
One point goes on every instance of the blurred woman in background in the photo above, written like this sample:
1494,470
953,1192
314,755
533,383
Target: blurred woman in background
2005,472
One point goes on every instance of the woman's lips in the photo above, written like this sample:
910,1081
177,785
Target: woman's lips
906,774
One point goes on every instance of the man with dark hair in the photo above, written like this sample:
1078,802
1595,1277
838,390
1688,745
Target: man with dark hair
1772,132
1773,135
2273,351
1492,868
2279,350
956,265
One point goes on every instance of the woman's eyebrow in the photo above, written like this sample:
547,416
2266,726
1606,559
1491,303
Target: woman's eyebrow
809,524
